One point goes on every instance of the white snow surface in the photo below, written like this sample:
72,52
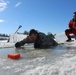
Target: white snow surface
60,37
16,37
59,60
12,40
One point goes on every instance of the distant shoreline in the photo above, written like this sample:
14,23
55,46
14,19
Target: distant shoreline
4,38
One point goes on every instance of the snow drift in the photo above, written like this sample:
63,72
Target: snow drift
16,37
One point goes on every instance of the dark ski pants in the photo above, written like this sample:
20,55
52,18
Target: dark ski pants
70,31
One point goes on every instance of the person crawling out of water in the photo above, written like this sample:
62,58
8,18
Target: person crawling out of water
39,39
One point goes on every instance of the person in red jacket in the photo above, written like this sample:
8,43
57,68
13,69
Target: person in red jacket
72,28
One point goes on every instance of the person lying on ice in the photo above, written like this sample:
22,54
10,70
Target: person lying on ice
72,28
39,39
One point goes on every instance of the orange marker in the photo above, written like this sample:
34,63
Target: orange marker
14,56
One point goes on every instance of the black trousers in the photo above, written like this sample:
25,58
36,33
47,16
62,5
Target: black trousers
68,32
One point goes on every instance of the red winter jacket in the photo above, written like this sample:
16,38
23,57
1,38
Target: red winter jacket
72,25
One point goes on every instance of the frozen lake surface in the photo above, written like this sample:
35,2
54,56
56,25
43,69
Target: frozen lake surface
59,60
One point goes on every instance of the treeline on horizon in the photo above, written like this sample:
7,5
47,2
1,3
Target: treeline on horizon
4,35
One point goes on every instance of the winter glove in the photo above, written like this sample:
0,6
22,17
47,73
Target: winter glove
17,44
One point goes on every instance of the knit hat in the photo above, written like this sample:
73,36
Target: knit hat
74,13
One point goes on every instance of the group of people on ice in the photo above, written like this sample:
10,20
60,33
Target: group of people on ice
41,40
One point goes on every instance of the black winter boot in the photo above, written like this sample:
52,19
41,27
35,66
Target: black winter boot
69,39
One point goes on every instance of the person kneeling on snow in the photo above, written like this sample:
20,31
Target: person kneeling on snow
72,28
39,39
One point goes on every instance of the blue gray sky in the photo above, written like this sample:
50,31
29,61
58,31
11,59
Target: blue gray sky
43,15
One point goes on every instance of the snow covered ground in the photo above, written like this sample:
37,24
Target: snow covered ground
12,40
59,60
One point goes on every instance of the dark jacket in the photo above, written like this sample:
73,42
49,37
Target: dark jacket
42,41
45,41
